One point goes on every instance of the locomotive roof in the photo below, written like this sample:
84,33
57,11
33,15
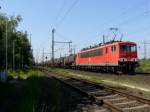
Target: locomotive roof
106,44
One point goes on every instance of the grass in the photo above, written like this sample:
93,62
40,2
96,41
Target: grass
39,90
5,90
144,66
31,90
23,74
34,86
25,97
107,78
124,81
36,90
30,94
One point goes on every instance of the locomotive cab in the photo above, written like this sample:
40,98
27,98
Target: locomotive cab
128,59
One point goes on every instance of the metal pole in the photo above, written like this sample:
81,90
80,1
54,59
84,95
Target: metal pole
103,39
6,50
46,61
74,50
53,31
13,55
43,57
70,51
145,50
30,40
22,60
19,57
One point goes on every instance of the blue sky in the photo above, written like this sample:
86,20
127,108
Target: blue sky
84,25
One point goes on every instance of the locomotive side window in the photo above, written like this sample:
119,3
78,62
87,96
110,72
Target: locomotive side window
106,50
100,52
86,54
81,55
113,48
96,53
90,53
93,53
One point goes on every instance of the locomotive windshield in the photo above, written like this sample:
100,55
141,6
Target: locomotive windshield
128,48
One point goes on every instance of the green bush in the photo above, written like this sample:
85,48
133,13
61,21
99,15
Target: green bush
144,66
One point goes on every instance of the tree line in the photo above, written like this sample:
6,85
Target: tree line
19,50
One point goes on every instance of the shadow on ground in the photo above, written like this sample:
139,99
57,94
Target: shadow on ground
41,94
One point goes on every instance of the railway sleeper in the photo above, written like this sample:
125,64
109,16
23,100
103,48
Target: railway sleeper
77,82
129,105
74,82
111,97
97,108
88,88
91,108
82,85
140,108
116,99
92,90
101,110
122,103
125,103
100,93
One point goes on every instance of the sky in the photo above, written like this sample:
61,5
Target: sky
83,22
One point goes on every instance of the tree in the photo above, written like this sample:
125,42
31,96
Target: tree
23,52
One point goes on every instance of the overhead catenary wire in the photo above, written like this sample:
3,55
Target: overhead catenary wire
133,19
61,36
137,31
60,22
61,19
112,19
61,9
66,14
117,17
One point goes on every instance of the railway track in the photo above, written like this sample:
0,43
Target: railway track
108,99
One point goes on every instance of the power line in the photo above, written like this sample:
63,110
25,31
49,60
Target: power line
137,31
62,36
123,13
66,14
120,15
133,18
60,10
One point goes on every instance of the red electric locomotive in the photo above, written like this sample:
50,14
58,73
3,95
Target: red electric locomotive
111,56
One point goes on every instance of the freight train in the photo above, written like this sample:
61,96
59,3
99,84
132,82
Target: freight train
110,57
